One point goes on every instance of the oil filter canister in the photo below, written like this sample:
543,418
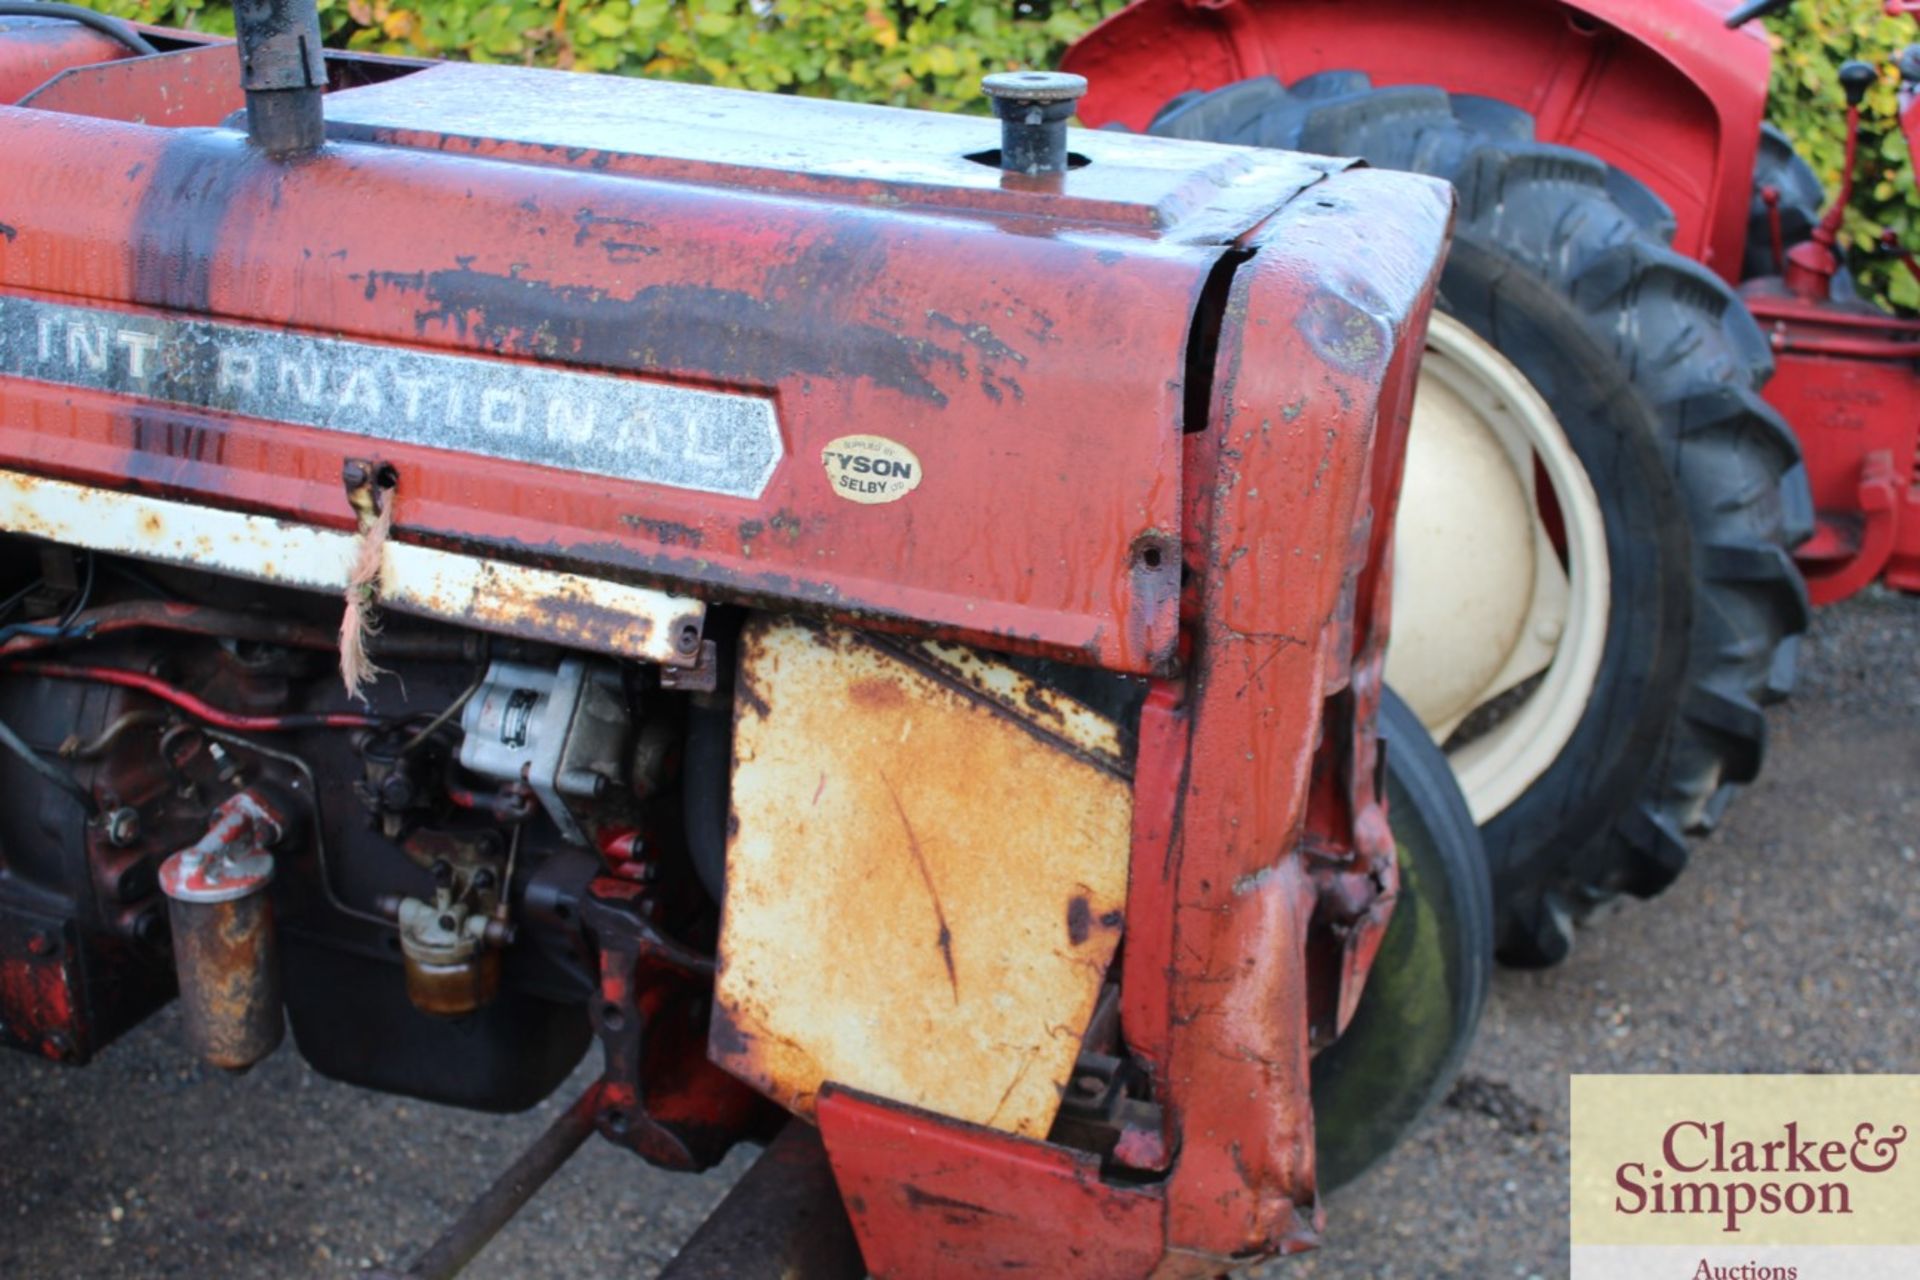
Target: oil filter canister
224,947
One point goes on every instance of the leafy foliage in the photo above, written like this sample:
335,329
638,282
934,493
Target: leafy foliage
931,53
194,15
1811,40
922,53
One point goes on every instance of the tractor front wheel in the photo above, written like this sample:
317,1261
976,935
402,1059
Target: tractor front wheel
1416,1018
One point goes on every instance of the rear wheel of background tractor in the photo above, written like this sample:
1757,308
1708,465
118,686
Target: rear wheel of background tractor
1800,199
1416,1019
1594,596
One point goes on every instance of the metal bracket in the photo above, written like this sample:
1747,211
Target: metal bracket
618,914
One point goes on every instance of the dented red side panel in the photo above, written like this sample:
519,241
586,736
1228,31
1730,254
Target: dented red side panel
932,1197
1292,484
1300,409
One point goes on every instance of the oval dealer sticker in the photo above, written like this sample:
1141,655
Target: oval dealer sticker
870,469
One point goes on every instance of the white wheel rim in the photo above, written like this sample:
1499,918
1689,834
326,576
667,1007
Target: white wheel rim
1481,600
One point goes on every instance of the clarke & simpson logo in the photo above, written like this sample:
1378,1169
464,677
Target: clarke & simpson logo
1744,1177
1702,1172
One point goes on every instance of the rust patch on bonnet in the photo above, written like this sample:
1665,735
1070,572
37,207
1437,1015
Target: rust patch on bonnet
915,823
1346,332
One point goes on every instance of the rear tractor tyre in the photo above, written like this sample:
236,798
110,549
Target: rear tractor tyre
1800,200
1594,597
1404,1046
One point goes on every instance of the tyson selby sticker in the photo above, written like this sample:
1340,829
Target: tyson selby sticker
870,469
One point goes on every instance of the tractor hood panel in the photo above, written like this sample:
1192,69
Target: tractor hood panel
812,369
851,152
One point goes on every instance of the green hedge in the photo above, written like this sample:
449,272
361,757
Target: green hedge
923,53
1810,42
931,53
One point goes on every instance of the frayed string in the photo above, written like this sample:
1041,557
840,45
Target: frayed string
358,624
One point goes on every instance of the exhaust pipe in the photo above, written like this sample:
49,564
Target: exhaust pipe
284,74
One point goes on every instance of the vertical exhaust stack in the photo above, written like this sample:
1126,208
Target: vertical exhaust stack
284,74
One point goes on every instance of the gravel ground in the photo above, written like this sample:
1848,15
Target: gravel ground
1789,946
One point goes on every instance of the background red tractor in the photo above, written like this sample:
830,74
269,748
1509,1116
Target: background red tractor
1597,596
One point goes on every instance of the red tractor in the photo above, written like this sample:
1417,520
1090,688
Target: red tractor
1643,398
857,615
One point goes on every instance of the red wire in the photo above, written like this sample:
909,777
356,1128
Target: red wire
194,706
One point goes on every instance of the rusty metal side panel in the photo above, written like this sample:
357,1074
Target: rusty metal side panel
1303,397
509,599
925,878
931,1198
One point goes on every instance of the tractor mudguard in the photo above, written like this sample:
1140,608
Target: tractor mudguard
1659,88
